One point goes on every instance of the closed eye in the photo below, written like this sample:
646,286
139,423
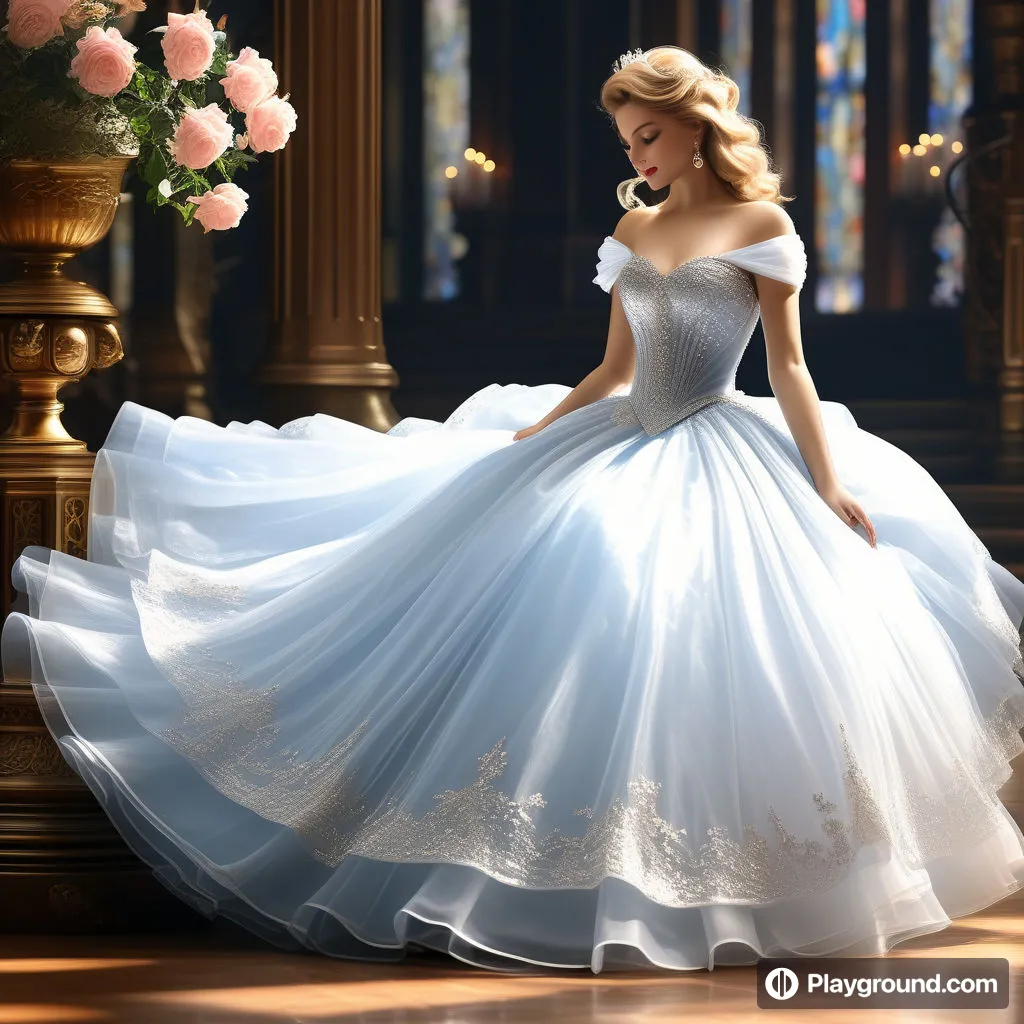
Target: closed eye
625,145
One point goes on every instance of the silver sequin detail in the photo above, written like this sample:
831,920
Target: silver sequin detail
622,412
483,827
703,308
960,807
227,728
690,328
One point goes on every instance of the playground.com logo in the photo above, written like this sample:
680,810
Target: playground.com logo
937,983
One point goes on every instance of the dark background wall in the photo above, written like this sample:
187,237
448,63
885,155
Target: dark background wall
529,311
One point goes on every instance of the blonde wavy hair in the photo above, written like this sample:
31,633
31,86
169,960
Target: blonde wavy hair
673,81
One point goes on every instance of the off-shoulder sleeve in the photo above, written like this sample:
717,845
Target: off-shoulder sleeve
782,258
612,256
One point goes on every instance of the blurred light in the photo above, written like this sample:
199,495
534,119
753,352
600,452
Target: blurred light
488,165
450,172
936,139
920,150
924,138
956,147
904,148
934,170
479,157
470,153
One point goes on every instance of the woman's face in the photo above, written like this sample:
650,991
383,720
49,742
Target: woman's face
659,147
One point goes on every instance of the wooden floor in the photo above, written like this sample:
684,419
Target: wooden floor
220,976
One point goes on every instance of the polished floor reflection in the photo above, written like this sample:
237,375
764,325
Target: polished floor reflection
220,976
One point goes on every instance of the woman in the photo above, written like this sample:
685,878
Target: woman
618,676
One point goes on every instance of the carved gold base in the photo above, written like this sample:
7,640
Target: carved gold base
44,500
63,866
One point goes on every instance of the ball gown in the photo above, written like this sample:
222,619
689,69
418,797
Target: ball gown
623,694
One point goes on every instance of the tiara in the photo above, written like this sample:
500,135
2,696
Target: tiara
627,58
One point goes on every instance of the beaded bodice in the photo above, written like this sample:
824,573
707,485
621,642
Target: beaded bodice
692,325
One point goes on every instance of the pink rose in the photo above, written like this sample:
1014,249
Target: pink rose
251,78
222,208
201,137
188,45
269,124
35,22
105,62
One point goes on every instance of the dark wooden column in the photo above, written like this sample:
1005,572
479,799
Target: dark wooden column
327,346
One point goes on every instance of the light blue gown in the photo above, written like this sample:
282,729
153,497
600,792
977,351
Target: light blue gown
625,693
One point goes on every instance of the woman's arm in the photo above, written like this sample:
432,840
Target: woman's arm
790,379
613,373
798,398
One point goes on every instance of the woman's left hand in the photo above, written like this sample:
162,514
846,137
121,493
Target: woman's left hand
527,431
848,508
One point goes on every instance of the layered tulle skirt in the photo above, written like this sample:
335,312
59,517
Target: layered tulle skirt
592,699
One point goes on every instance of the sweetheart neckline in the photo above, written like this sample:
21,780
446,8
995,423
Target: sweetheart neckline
694,259
685,263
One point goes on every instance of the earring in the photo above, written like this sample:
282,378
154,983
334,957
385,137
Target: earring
698,160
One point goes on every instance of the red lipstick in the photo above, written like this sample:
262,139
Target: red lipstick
650,171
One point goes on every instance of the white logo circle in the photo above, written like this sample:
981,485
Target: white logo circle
781,983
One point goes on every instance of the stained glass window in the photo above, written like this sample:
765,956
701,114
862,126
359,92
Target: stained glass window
736,26
446,137
839,155
950,94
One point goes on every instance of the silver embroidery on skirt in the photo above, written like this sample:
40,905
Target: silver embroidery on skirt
228,732
481,826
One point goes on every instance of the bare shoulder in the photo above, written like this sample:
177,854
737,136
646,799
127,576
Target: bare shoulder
761,219
626,229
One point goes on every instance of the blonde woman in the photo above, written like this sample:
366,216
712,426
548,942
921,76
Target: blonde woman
645,673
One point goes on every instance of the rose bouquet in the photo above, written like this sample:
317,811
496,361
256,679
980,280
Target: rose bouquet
181,103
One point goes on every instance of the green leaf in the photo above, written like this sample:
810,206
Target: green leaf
156,167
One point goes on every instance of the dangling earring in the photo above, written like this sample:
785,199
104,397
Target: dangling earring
698,160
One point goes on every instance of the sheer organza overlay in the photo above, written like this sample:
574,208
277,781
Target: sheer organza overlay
601,698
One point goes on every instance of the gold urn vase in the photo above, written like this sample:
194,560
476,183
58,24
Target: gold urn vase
62,865
55,330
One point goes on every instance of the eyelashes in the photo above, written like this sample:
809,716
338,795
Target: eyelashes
625,145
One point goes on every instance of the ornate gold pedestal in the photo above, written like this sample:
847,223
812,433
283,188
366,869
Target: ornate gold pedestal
62,865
